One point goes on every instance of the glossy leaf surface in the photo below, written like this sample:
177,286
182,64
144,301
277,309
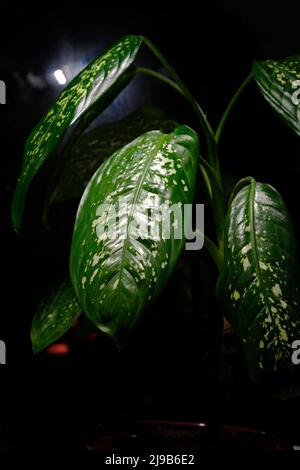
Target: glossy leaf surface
92,86
55,314
279,82
258,288
115,277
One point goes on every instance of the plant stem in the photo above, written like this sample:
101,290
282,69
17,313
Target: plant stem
160,77
215,253
230,107
216,196
211,176
204,123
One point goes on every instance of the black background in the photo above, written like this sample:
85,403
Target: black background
53,402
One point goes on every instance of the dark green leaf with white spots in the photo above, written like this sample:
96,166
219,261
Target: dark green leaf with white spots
279,82
258,287
94,87
95,146
115,278
55,314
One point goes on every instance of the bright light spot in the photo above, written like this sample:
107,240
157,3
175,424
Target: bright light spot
60,76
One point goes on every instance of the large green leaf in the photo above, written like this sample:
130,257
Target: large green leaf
279,82
95,86
98,144
55,314
258,288
114,279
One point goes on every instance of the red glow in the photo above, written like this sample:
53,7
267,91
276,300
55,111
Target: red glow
93,335
59,349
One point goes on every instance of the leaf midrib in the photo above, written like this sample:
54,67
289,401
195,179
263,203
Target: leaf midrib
139,186
255,252
253,231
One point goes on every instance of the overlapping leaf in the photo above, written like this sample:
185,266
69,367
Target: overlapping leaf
97,85
258,288
120,258
279,82
55,314
98,144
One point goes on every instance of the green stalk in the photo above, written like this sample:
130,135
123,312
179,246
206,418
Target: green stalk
214,252
230,107
216,197
204,123
210,176
161,77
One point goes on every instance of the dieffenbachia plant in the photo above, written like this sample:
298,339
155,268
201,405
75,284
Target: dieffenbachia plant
152,162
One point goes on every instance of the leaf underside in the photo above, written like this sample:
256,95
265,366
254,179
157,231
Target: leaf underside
279,82
258,288
88,88
114,279
95,146
55,314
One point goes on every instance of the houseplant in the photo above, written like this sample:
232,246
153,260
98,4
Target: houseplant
114,278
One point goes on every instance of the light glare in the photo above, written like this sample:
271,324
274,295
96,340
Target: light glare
60,76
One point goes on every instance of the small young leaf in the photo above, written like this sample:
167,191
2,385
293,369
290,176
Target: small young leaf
55,314
279,82
92,86
95,146
115,273
258,288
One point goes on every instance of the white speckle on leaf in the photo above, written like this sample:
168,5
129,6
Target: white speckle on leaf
95,259
246,263
263,266
94,274
276,290
236,295
246,248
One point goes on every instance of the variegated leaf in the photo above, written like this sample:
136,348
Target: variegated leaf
116,273
258,288
97,84
55,314
279,82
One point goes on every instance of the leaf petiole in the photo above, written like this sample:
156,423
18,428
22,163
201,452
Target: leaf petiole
230,107
159,76
214,252
201,116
